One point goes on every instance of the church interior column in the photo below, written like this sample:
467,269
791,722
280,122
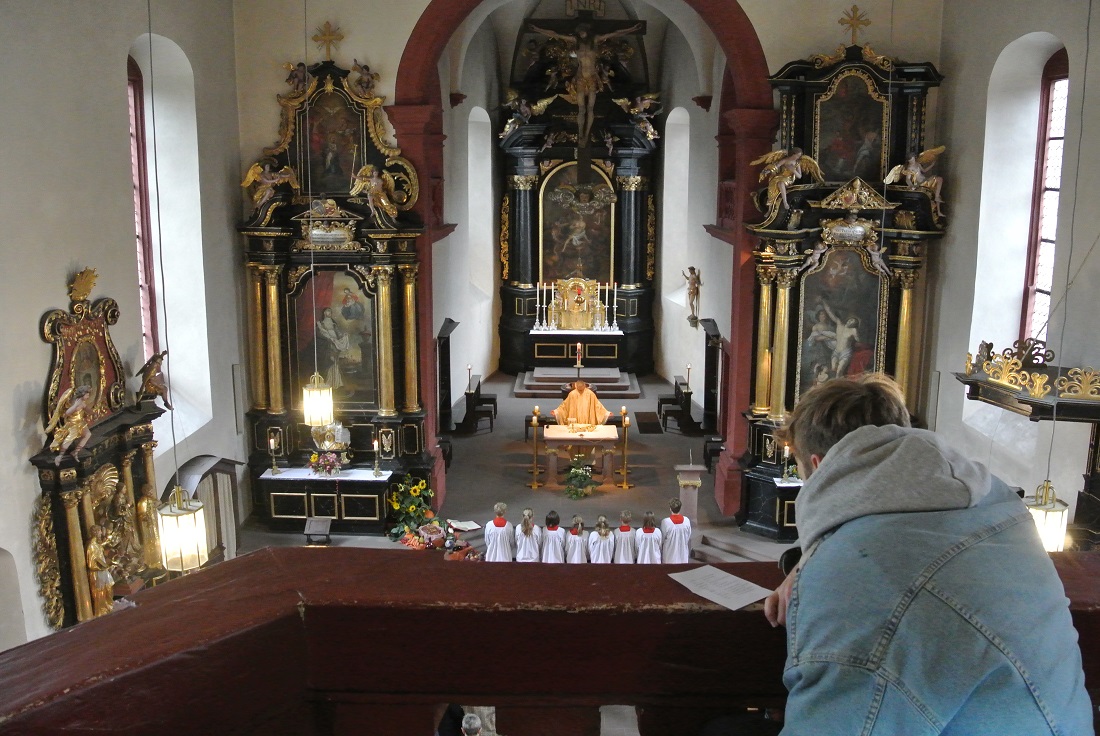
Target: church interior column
783,279
630,221
383,276
78,569
408,277
256,337
523,270
274,346
765,275
906,280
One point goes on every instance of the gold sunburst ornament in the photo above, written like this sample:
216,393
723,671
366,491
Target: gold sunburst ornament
82,284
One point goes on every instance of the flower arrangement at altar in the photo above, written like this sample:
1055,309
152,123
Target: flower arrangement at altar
410,507
579,481
325,463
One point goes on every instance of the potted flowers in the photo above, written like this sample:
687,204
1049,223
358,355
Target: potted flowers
325,463
410,506
579,481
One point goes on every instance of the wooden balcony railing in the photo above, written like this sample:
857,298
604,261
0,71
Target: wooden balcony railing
342,641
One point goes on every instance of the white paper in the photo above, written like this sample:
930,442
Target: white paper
720,587
463,526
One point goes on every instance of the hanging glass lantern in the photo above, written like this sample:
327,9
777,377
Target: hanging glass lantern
1051,516
317,402
182,526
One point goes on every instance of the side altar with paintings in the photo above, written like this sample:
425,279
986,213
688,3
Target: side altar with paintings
332,277
849,206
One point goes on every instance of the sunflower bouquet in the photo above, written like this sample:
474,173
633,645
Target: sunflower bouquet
410,507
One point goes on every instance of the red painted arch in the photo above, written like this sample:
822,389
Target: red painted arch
747,126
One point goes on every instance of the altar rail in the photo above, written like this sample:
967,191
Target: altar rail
341,641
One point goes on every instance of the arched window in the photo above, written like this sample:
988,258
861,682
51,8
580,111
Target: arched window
150,336
1044,209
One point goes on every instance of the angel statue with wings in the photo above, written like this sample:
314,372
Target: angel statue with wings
152,380
915,173
264,179
641,110
522,112
70,420
783,168
377,188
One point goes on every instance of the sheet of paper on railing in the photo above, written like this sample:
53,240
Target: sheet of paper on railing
788,482
720,587
463,526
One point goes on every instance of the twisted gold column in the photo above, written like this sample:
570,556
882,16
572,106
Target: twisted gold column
783,279
257,369
274,342
765,275
78,567
383,276
412,386
906,280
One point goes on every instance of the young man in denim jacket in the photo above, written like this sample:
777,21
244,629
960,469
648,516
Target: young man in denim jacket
924,602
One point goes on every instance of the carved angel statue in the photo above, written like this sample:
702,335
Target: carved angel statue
264,180
377,188
298,79
784,168
364,85
813,258
100,582
522,112
877,252
70,420
915,173
152,380
641,110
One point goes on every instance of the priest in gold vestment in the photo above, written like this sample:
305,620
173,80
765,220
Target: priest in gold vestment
582,405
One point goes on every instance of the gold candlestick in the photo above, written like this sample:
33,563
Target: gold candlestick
535,469
377,470
626,435
624,471
272,444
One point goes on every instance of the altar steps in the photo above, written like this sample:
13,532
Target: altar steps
547,383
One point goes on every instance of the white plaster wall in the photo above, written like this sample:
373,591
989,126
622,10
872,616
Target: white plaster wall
66,196
1016,449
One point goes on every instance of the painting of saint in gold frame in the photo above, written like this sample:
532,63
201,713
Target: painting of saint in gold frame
333,324
842,325
329,143
576,226
851,120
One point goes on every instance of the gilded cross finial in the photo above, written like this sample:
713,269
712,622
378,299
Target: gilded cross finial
326,37
854,19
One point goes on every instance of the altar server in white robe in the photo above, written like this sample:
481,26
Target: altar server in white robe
500,540
576,544
601,543
553,539
528,538
675,535
648,539
625,551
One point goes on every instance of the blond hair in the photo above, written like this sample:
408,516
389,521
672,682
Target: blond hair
626,516
499,508
828,412
528,521
578,523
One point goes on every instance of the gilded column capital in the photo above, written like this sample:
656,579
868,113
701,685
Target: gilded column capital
149,446
384,274
128,458
523,182
71,499
271,274
766,274
409,272
907,279
785,277
632,183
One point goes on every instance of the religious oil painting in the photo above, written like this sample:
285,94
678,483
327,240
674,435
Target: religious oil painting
88,370
842,319
334,330
576,226
850,128
330,143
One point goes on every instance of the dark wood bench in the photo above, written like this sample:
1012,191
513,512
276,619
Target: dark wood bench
476,408
680,410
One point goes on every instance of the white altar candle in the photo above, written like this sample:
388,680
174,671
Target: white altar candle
538,294
615,307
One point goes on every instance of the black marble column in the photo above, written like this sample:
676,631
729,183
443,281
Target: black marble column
631,216
522,190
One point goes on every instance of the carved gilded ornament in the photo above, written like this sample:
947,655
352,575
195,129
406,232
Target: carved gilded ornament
46,476
549,163
632,183
850,230
68,475
855,195
137,429
785,277
46,565
1007,371
651,238
1037,387
71,499
880,60
524,182
294,275
384,274
409,272
820,61
968,365
1079,383
766,274
906,278
128,458
505,210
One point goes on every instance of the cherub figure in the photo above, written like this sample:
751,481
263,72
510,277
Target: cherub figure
364,85
877,252
298,79
522,111
784,168
641,110
609,141
152,380
813,259
264,179
915,173
378,187
70,419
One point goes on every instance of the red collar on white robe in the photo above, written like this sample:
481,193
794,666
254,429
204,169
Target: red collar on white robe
625,528
649,531
499,521
574,532
551,528
677,518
